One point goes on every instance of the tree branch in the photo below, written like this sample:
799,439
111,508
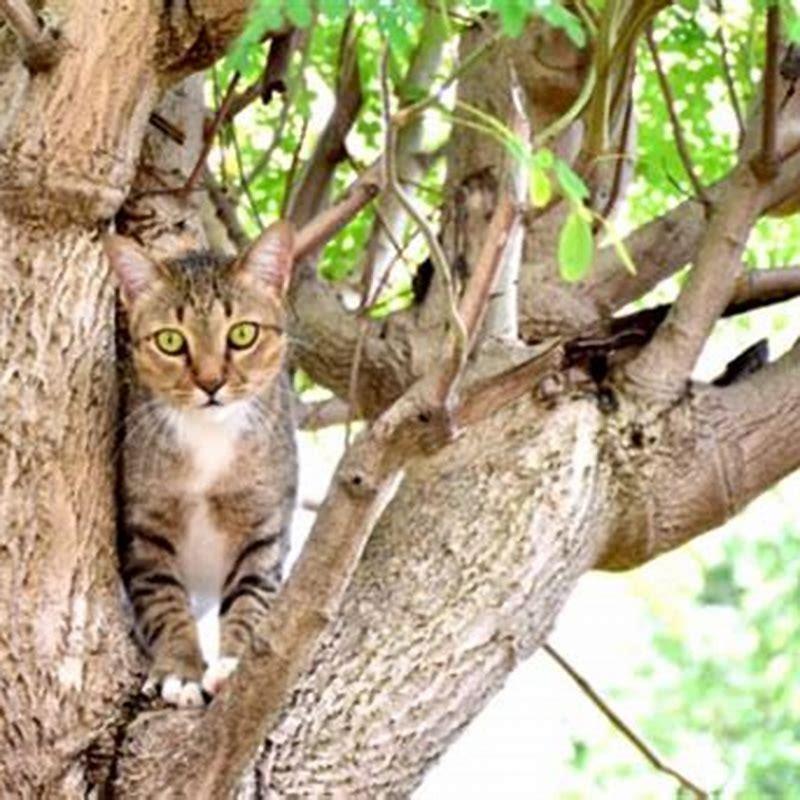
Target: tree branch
273,78
391,219
502,315
38,45
766,163
312,188
668,243
727,72
665,365
328,222
322,414
707,458
677,129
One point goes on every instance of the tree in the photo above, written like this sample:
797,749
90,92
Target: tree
521,431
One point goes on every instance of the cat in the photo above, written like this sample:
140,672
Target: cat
209,465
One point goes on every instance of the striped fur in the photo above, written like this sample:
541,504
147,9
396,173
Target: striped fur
207,490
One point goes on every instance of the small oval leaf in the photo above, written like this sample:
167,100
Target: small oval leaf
575,247
540,188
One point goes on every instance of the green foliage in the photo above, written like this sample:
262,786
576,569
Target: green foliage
575,246
747,704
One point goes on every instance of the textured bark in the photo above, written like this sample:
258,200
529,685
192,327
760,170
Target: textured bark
474,557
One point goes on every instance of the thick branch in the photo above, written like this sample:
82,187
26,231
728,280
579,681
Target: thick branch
666,244
39,50
667,362
706,459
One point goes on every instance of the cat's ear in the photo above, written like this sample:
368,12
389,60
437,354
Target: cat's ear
135,269
269,259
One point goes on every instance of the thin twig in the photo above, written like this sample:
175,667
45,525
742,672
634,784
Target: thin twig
292,172
38,46
328,222
272,80
169,130
652,757
677,130
392,181
405,115
245,186
211,134
727,72
226,211
766,163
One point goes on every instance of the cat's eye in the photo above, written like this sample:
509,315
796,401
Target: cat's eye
170,341
243,335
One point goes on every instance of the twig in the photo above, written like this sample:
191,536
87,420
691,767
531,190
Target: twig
226,211
677,130
273,78
211,134
436,253
355,369
390,219
38,45
322,414
312,188
405,115
292,172
245,186
727,72
765,164
327,223
652,757
167,128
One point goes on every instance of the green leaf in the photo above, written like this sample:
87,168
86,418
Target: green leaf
559,17
571,183
575,247
334,9
299,12
544,158
540,188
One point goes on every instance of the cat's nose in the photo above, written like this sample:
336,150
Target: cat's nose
210,384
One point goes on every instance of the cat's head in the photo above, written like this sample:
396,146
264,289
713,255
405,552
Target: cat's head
206,331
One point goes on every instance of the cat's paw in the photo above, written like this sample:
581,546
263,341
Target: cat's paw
218,672
176,691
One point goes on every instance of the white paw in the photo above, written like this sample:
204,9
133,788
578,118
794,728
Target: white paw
218,672
181,693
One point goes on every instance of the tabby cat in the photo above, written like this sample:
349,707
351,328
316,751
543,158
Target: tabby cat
209,462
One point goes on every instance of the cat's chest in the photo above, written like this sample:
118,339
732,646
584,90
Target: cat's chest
209,453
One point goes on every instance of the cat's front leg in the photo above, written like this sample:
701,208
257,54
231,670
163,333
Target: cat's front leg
164,620
247,595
